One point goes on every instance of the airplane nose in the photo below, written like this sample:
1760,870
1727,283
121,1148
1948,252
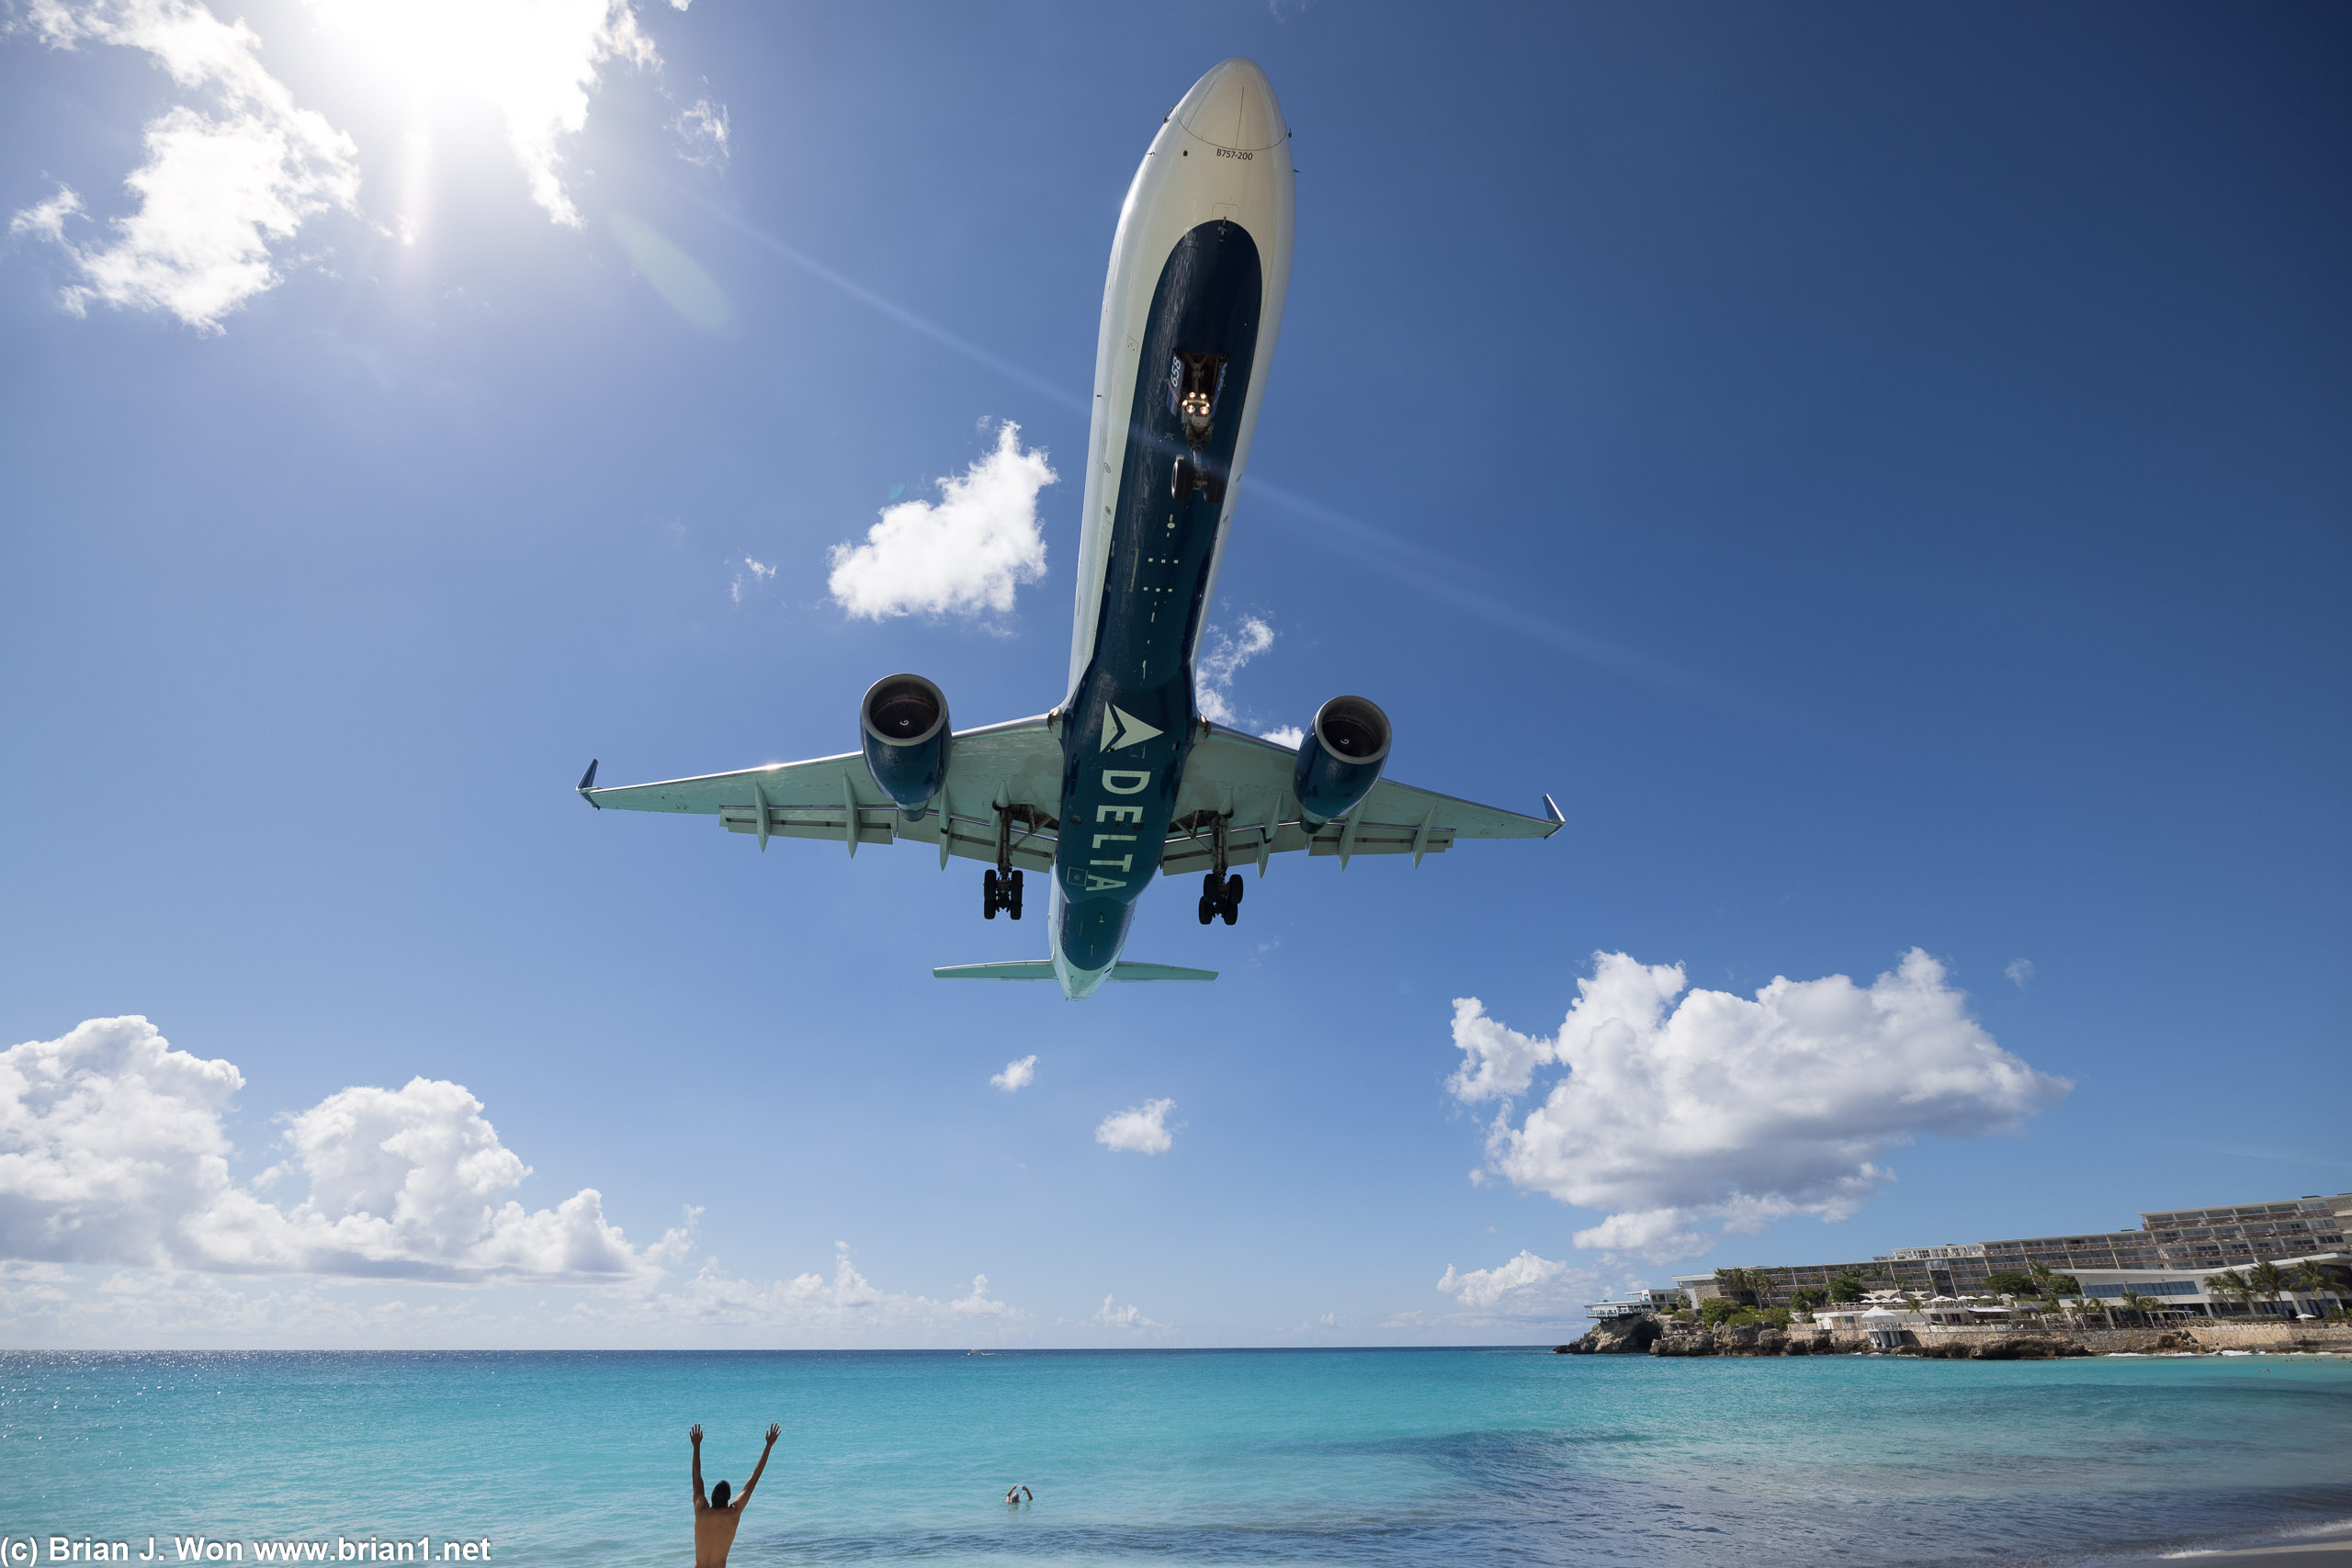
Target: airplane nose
1234,107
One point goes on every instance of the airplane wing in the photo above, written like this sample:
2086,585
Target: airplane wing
1016,766
1248,781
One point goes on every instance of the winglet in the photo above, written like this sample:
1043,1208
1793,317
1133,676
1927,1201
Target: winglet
1551,809
587,782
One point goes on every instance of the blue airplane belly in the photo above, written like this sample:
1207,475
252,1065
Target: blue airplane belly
1130,720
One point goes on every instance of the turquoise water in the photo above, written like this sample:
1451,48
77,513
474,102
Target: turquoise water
1456,1457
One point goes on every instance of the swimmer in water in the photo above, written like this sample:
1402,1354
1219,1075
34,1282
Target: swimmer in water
716,1516
1016,1495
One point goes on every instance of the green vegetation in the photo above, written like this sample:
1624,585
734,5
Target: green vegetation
2229,1285
1810,1297
2267,1280
2012,1282
1847,1288
1718,1311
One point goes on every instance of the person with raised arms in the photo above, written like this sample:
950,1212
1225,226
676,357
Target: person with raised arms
716,1516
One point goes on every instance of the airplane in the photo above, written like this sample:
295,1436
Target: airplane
1123,778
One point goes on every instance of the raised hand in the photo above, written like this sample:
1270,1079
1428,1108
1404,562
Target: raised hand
775,1432
694,1433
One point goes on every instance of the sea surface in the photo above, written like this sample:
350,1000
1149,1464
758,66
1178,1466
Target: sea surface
1463,1456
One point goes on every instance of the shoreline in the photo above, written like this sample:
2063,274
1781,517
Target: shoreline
1648,1335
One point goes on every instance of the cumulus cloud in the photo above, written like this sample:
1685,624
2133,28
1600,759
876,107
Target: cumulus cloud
112,1150
221,185
2019,971
1130,1316
1017,1075
1482,1288
1685,1121
1222,655
966,553
1143,1129
533,62
120,1224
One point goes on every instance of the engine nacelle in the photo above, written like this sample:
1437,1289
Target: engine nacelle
1341,759
904,720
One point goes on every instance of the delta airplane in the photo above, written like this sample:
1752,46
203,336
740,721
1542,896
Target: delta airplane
1126,778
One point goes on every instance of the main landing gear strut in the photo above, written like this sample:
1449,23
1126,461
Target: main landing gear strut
1220,893
1000,888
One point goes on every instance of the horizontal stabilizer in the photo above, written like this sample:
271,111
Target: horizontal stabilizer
1043,969
1017,969
1126,971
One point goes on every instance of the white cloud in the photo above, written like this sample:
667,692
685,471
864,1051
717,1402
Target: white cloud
112,1150
760,573
1483,1287
1016,1074
1130,1317
219,187
2019,971
1222,655
967,553
704,130
120,1224
1221,658
532,61
1725,1112
1143,1129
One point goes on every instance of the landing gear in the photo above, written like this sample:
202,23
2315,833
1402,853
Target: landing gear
1220,893
999,891
1000,888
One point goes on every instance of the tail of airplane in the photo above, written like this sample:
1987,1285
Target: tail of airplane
1043,969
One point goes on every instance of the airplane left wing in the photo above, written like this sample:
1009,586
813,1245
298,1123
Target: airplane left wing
1009,769
1247,780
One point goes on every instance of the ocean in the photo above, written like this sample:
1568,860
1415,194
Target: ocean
1456,1457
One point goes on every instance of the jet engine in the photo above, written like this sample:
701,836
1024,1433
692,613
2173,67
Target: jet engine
1339,760
904,718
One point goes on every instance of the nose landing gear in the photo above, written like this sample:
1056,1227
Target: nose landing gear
1195,383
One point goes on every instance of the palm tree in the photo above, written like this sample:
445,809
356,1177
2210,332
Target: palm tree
2229,1285
2266,1279
2310,1279
2134,1303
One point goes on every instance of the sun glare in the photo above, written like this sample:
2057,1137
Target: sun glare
532,61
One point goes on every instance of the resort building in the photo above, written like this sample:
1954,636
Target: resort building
1655,1298
2167,1257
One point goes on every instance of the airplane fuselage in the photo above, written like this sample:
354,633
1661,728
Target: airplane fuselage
1190,314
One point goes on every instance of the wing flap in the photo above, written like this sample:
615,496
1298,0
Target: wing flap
1248,781
1015,767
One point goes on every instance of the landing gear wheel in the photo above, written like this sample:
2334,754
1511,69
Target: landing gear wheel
1180,482
1220,895
1000,890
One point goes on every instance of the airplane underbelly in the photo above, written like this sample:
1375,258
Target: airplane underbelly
1198,274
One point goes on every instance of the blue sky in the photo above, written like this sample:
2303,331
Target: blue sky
1884,471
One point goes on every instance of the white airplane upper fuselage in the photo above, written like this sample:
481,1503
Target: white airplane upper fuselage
1193,302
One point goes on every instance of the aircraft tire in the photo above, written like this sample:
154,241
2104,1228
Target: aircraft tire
1208,911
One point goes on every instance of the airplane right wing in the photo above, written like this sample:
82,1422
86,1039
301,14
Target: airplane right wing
1247,780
